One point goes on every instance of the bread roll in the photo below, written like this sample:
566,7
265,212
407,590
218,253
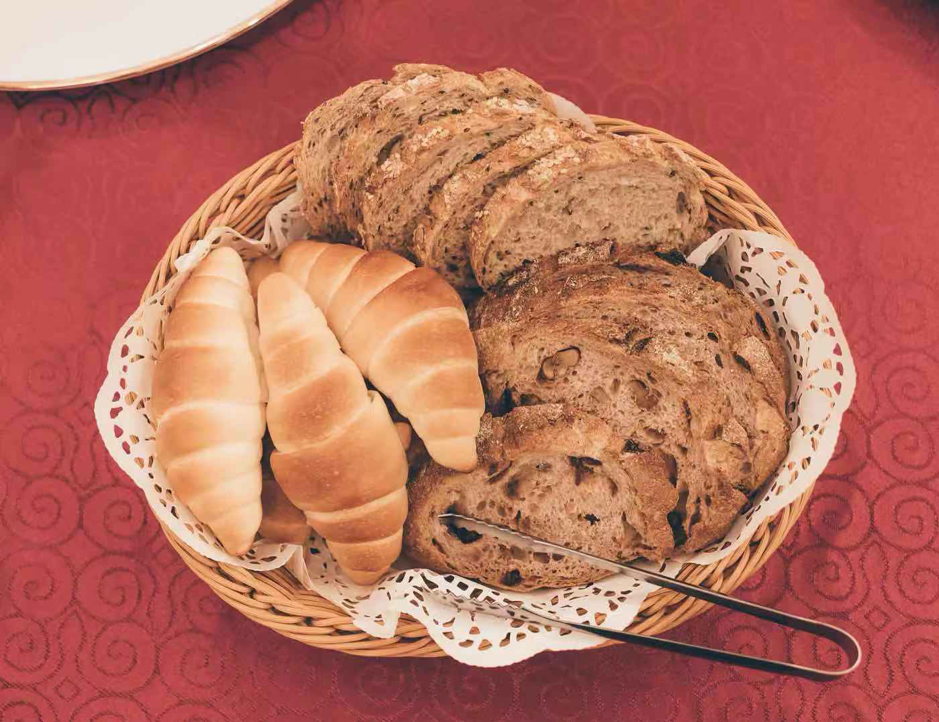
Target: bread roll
339,457
407,331
208,401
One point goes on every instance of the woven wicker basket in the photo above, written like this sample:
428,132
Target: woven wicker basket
276,600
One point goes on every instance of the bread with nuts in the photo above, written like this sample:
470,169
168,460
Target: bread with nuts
672,360
554,472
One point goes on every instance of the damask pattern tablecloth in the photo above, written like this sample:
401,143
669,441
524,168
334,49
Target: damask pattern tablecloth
829,109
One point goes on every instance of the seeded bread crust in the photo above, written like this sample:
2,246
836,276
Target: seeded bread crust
629,190
423,97
506,82
553,472
670,359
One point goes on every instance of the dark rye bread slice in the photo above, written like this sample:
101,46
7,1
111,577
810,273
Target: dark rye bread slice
440,235
397,192
628,190
553,472
672,360
419,94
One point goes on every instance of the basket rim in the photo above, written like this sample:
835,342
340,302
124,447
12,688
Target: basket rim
275,599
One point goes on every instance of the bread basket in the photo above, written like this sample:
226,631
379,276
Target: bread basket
276,600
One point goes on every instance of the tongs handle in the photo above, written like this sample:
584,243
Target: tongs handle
843,639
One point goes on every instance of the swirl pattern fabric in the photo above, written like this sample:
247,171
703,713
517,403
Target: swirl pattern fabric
98,615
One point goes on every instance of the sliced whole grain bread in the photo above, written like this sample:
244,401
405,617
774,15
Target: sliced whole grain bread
554,472
440,234
418,95
323,132
397,192
670,359
370,158
330,139
402,110
630,190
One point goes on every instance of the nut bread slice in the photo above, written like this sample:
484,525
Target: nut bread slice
628,190
553,472
670,359
440,234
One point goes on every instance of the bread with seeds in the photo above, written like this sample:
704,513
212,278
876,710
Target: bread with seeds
441,233
629,190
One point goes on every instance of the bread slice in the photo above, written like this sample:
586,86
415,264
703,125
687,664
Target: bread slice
600,283
397,192
670,359
433,92
348,140
440,234
323,132
630,190
418,95
555,473
328,129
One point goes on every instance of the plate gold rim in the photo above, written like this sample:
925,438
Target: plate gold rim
149,67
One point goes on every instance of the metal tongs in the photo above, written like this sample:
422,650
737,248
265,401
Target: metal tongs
840,637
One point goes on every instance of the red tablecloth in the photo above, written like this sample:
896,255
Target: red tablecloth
829,109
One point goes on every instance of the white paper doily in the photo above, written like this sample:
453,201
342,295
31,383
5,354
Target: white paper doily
777,276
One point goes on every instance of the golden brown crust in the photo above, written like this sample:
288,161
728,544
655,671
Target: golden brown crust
339,456
374,272
408,333
208,401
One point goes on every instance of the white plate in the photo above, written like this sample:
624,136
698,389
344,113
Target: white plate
48,44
